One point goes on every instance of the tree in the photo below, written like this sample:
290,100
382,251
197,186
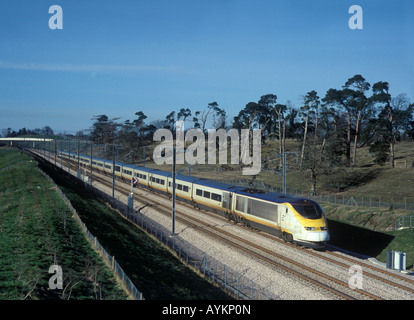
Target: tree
320,160
403,114
139,126
292,125
345,100
170,121
47,131
212,109
104,130
127,133
360,106
382,96
394,115
246,119
311,101
184,113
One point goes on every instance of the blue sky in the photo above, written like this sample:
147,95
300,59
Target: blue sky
120,57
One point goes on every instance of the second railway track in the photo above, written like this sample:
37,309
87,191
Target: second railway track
336,287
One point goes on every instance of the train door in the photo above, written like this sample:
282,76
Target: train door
227,200
283,216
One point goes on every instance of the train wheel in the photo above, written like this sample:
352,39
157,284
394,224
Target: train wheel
245,222
287,237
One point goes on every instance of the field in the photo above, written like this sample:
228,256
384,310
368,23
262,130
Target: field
153,269
37,231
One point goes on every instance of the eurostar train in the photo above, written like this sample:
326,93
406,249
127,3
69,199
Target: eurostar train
293,219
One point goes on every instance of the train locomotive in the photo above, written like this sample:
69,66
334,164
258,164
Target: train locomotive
294,219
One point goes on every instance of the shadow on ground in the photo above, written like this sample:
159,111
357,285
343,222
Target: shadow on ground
357,239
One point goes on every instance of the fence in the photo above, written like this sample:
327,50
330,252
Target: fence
404,222
110,260
406,203
222,274
216,271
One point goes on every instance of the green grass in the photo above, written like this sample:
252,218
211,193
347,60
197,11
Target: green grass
152,268
369,231
37,231
403,241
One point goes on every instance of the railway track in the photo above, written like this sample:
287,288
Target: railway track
337,287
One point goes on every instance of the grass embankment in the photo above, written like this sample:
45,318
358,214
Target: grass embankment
152,268
37,231
361,230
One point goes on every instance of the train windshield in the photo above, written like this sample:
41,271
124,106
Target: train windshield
309,211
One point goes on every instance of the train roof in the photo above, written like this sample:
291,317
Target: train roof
218,185
273,196
160,172
186,178
140,168
127,165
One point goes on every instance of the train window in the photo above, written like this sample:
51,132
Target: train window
216,197
144,177
185,188
309,211
240,203
169,184
199,192
180,187
264,210
249,205
162,182
157,180
93,162
117,168
243,204
206,194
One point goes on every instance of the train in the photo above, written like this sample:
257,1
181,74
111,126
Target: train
294,219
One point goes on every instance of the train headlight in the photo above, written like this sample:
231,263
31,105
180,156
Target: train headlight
310,228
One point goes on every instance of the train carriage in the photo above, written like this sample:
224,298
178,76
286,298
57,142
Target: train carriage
142,174
158,180
214,196
127,171
183,187
295,219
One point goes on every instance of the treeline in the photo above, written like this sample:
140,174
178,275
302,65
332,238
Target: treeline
337,124
9,133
